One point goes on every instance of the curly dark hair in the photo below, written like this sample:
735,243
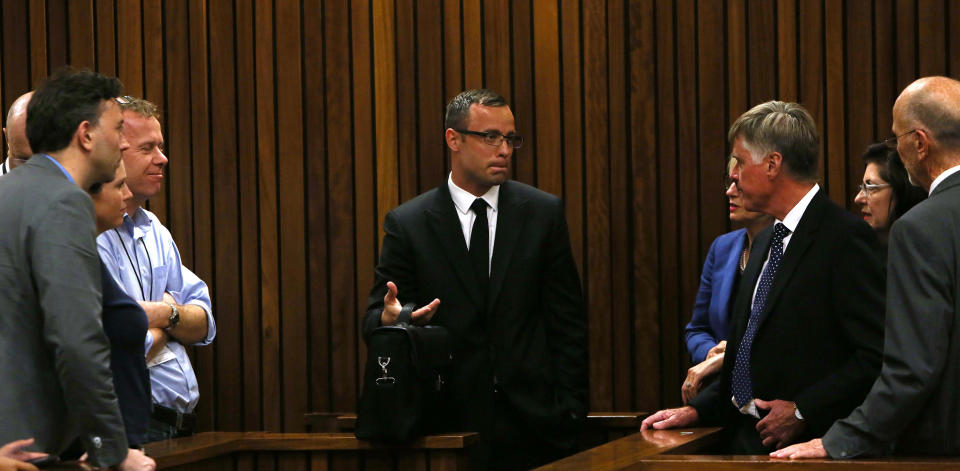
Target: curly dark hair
60,104
892,171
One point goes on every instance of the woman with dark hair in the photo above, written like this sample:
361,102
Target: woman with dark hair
886,192
124,321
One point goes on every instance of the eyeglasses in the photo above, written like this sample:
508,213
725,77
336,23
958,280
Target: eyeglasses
124,100
494,138
870,189
892,141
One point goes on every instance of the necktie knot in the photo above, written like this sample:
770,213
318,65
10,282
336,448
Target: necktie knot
779,232
478,205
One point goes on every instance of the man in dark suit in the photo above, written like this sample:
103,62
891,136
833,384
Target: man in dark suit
57,384
913,408
497,254
807,326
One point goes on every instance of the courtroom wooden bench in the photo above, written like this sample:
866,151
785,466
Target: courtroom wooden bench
308,452
600,427
678,450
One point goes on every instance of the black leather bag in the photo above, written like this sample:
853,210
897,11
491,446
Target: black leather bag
403,381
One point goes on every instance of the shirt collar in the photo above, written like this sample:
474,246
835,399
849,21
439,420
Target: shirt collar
62,168
943,176
137,224
462,199
792,219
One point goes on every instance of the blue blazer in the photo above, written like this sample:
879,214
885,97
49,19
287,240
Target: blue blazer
711,311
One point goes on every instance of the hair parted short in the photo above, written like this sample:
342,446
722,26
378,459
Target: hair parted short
65,100
458,110
140,106
787,128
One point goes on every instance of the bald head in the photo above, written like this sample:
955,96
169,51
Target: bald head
926,119
18,147
933,103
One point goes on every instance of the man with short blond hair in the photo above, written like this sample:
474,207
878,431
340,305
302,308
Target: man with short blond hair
144,260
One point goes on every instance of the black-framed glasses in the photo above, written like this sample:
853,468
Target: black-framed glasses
891,142
494,138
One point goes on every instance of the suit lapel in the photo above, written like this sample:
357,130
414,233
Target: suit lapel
446,228
799,243
511,216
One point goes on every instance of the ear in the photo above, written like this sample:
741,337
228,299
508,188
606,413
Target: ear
84,136
922,144
773,165
453,139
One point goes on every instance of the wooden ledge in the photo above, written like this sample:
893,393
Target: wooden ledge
620,454
347,421
212,444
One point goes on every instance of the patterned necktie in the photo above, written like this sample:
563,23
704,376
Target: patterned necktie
742,383
480,244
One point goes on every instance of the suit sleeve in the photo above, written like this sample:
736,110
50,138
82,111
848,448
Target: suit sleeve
700,336
857,289
396,265
567,329
66,272
919,321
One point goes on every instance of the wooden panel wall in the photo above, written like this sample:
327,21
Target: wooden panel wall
293,127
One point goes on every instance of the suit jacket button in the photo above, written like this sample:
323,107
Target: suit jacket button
97,442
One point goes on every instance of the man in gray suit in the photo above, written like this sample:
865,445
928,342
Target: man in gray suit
913,407
57,385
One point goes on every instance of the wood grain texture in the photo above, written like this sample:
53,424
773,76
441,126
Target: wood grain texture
293,127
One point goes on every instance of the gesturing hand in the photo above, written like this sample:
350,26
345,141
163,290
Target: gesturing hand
392,308
780,427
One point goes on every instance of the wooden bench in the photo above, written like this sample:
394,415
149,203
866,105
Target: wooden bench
676,450
600,427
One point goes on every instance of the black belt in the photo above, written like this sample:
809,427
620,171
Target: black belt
180,420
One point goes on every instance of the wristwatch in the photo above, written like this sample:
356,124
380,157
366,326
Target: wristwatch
174,318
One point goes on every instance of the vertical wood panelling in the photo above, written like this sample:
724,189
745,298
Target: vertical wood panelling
293,271
643,210
269,218
293,127
318,325
226,213
546,72
249,222
598,204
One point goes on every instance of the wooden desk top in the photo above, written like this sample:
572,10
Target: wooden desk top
211,444
674,450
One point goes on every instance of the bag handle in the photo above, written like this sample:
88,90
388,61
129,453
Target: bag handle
405,313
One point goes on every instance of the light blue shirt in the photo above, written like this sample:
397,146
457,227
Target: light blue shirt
143,259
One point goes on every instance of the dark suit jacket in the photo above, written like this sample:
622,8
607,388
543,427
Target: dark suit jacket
711,311
125,324
55,372
820,336
532,337
914,406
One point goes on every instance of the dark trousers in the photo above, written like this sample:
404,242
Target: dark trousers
743,438
157,431
511,442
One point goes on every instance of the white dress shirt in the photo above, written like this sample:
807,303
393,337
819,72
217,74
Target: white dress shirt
462,199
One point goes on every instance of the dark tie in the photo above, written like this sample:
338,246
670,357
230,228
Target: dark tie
742,383
480,244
